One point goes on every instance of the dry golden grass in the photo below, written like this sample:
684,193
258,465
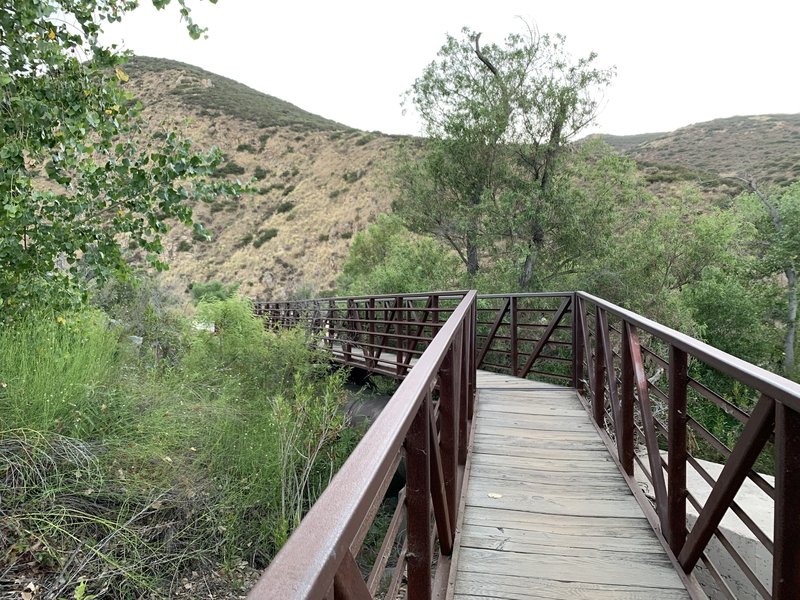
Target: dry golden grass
336,181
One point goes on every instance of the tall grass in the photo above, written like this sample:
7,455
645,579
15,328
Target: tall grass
123,473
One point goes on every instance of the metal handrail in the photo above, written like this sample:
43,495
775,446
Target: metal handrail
600,348
318,557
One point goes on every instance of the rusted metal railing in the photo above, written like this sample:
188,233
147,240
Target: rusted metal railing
651,390
642,383
429,430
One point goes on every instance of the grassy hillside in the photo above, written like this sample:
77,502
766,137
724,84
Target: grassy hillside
214,95
764,146
317,183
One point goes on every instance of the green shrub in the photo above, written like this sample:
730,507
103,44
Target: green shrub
212,291
245,241
347,235
352,176
246,148
229,168
323,237
264,237
184,246
284,207
335,194
288,190
260,173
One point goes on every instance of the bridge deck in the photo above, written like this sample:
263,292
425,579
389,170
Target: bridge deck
547,512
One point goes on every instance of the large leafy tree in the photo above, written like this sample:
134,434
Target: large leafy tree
776,213
498,119
78,172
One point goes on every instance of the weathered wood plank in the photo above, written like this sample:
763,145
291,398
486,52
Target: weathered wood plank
569,567
631,526
546,541
482,586
482,493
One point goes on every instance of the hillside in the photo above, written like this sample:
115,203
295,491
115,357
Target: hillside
317,182
764,146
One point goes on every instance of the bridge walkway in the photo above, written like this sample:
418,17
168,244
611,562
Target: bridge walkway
547,513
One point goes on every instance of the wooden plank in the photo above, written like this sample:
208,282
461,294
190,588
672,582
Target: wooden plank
481,494
544,541
568,567
520,587
510,446
629,526
499,460
488,428
536,441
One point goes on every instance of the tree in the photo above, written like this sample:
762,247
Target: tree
387,259
776,212
77,171
498,120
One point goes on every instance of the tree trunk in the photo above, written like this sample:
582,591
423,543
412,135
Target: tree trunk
791,324
472,259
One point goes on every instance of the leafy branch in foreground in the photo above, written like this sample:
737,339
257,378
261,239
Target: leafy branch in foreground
77,170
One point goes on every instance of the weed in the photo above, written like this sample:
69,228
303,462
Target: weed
246,148
260,173
184,246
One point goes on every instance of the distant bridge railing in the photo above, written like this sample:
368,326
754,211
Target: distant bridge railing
651,390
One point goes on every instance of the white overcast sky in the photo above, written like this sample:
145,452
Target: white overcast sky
677,62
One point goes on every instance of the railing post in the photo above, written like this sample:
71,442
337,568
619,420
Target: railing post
786,561
418,504
598,408
370,314
514,344
577,343
399,330
676,447
625,426
450,375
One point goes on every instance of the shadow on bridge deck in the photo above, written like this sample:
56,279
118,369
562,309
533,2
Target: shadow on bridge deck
547,513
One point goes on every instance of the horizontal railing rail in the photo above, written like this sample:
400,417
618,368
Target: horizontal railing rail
667,403
430,431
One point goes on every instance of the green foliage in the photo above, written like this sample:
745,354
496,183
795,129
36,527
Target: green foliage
70,121
55,368
184,246
286,206
387,258
212,291
226,449
497,119
264,236
246,148
352,176
260,173
229,168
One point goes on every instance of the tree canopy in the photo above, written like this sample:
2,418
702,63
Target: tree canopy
498,118
78,171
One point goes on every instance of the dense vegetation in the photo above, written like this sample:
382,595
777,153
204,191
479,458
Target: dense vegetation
136,450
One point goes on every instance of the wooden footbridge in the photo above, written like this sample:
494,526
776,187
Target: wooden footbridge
546,440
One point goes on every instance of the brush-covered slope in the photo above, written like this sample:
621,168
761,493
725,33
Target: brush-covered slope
766,147
317,182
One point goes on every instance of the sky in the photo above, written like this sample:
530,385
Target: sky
677,62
